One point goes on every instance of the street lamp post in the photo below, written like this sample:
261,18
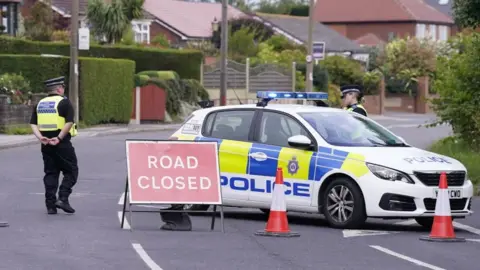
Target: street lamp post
223,53
309,75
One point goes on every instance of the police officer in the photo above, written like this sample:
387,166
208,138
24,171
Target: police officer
351,95
52,123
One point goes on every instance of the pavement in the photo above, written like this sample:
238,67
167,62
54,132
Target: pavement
92,237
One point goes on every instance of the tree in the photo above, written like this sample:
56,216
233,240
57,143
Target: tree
112,20
457,84
39,25
262,32
466,13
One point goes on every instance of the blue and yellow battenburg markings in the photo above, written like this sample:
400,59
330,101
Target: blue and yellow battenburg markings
310,166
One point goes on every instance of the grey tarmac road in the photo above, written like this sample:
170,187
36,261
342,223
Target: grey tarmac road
92,238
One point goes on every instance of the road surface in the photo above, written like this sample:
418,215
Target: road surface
92,238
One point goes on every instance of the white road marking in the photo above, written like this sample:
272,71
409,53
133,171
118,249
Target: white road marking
473,240
466,228
353,233
403,257
122,198
143,254
126,226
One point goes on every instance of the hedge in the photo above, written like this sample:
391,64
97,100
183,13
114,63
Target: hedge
105,85
185,62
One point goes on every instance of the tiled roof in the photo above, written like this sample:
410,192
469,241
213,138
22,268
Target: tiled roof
193,19
66,6
369,39
444,6
298,27
343,11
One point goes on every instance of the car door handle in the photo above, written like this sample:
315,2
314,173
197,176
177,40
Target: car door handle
259,156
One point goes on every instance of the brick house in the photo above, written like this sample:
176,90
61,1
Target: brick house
385,19
9,16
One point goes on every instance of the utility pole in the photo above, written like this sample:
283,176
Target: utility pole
224,50
309,74
73,84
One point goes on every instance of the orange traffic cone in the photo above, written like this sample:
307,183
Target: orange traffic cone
277,224
442,228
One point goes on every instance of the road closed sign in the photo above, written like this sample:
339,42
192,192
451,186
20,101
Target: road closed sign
173,172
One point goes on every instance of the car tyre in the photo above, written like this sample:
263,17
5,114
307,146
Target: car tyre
265,211
425,222
350,204
196,207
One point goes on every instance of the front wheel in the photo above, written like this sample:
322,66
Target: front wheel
343,204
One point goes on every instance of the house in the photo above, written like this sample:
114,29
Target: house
446,7
9,16
182,21
385,19
295,28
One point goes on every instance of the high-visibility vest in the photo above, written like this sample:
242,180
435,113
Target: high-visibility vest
48,118
356,106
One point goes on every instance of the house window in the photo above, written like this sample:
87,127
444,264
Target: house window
4,16
443,32
142,31
433,31
420,31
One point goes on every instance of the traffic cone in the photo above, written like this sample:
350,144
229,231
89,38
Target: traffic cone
442,228
277,224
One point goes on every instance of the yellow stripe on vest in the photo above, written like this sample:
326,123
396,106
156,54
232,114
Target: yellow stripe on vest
295,163
355,164
234,156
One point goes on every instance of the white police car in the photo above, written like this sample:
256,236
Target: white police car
338,163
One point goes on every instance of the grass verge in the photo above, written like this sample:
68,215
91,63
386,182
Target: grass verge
25,129
462,152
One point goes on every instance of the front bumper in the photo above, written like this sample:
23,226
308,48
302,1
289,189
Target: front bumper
397,199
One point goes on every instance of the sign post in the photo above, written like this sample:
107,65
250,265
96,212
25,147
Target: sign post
172,172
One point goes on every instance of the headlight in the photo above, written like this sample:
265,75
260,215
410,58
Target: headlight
389,174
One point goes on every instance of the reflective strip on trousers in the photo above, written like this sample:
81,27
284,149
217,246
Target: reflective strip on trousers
48,126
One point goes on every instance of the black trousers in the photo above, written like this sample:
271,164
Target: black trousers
59,158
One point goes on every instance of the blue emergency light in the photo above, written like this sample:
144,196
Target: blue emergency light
266,96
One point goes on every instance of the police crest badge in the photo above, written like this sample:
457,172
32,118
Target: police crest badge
293,166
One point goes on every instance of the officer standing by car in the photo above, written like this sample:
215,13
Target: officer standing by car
351,96
52,123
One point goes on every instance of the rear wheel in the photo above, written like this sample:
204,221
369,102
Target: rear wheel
343,204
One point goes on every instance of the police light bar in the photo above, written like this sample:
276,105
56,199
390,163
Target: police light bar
292,95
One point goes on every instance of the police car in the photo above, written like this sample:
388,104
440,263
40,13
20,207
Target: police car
336,163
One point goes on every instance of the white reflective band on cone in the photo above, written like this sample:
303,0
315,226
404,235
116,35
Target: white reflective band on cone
442,206
278,200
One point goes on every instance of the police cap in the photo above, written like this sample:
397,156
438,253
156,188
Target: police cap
54,82
351,89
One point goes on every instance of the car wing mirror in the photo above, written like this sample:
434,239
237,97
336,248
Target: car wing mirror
300,141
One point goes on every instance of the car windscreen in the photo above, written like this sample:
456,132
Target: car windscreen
345,129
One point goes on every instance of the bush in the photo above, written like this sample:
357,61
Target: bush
185,62
461,151
342,71
105,85
320,76
457,84
187,90
334,96
16,87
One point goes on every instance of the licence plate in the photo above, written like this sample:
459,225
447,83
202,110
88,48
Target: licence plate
452,193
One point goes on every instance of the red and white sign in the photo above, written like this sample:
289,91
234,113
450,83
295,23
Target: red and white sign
173,172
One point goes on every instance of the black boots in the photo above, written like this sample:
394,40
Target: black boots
65,206
176,221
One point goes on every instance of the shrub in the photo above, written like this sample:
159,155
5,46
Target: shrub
187,90
334,94
342,70
16,87
320,76
457,84
185,62
105,85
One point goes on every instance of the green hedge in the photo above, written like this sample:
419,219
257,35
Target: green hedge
105,85
185,62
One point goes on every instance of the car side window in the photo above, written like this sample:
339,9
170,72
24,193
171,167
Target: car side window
229,125
276,128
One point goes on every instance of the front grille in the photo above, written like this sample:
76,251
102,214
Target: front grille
455,204
454,179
